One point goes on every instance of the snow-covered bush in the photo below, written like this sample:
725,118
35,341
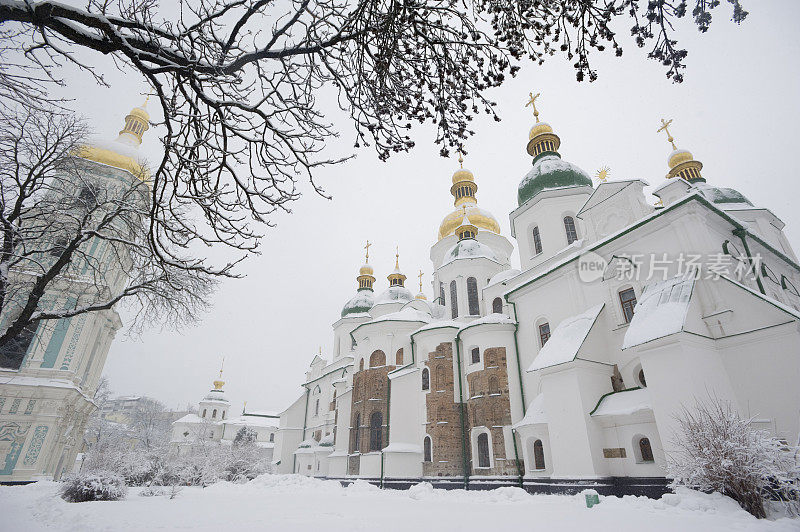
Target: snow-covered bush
245,461
93,487
720,451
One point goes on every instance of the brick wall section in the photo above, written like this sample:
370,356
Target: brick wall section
443,420
369,396
489,406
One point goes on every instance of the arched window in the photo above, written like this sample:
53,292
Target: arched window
472,296
271,437
476,355
497,305
569,227
223,414
440,378
427,452
441,293
645,450
642,381
453,300
426,379
361,365
398,357
377,358
483,450
214,414
544,333
357,433
375,431
538,454
205,411
316,408
494,386
537,241
627,299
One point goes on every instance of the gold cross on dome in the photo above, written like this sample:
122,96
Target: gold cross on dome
664,125
420,280
397,257
367,248
221,367
460,158
532,102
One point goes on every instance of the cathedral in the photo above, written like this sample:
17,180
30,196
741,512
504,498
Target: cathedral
567,372
48,379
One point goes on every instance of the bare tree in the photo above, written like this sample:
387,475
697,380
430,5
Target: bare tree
718,450
238,82
150,423
74,240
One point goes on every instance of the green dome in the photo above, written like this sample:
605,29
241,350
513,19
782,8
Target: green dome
362,302
549,172
723,196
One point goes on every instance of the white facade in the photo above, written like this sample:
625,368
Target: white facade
559,370
46,399
214,423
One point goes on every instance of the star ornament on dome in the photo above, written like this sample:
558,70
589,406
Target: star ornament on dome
603,173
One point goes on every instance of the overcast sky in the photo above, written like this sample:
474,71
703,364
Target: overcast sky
737,112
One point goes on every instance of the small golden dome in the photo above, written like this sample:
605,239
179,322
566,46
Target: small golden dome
461,175
477,217
679,156
366,269
421,296
140,112
218,385
539,128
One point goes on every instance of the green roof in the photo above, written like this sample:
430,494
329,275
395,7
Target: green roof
360,303
550,171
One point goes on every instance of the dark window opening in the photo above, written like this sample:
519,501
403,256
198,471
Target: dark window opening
646,450
569,227
497,305
426,379
476,355
641,379
472,296
483,450
427,451
453,299
627,299
544,333
376,431
538,455
537,241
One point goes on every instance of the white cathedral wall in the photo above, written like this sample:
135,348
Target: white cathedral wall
290,434
547,212
403,455
627,435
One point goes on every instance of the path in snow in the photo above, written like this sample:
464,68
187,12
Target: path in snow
288,502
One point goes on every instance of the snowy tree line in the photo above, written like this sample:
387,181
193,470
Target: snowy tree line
139,452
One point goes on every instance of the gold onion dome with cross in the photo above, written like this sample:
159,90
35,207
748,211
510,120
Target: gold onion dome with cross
365,273
681,162
396,278
463,191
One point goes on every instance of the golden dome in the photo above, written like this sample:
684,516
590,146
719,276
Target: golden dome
461,175
476,216
218,385
539,128
140,112
115,159
679,156
366,269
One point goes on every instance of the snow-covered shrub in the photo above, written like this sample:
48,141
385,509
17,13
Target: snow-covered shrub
720,451
152,491
93,487
245,436
245,460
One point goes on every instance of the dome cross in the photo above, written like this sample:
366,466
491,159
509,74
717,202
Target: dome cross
664,127
532,103
420,280
367,248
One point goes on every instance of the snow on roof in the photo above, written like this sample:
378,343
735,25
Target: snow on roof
566,339
406,314
326,441
469,248
534,414
24,380
405,370
503,276
489,318
623,403
660,311
253,421
394,294
438,324
403,448
189,418
263,413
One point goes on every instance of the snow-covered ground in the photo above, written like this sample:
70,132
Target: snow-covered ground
287,502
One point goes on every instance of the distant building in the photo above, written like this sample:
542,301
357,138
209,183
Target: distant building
213,423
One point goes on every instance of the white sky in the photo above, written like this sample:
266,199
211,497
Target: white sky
737,112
